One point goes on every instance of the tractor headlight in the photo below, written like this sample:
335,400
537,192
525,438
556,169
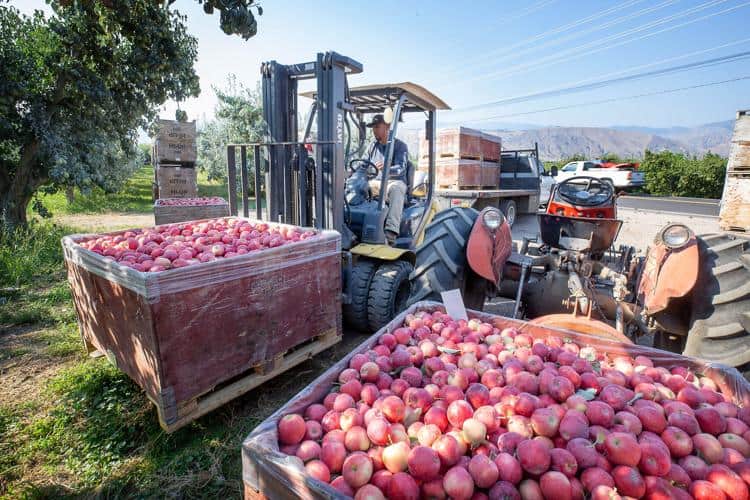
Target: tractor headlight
493,219
675,235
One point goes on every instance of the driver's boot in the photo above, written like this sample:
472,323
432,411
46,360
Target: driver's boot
390,237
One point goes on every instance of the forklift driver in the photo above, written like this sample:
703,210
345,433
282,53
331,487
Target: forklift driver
396,190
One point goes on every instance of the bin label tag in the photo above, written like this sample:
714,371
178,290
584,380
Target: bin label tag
454,304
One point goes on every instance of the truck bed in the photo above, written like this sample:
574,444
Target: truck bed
485,193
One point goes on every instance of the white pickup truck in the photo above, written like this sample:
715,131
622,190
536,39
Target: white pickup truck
622,178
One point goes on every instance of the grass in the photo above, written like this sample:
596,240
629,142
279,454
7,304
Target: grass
134,197
73,426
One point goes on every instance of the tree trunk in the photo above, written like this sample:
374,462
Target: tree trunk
70,195
13,208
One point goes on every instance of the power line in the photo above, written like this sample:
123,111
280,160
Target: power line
529,10
513,54
613,99
509,49
600,45
603,83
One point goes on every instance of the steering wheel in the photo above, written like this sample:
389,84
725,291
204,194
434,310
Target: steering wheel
586,191
370,168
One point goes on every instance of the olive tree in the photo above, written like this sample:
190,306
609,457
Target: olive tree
77,85
238,119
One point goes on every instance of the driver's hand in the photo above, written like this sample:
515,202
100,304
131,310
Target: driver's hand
379,165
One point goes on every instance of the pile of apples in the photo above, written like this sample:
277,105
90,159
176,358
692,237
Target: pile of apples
190,202
461,409
185,244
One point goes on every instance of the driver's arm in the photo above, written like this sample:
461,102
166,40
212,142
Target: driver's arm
400,160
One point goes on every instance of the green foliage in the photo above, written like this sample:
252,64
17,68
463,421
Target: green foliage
675,174
239,119
236,15
76,87
145,153
29,256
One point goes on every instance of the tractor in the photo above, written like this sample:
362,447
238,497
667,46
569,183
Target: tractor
690,294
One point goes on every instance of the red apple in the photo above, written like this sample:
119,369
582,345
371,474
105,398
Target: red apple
396,457
423,463
318,470
563,461
622,449
403,486
333,454
291,429
508,467
678,441
357,469
555,485
629,481
704,490
533,456
730,483
458,483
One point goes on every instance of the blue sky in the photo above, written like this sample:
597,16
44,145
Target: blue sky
475,52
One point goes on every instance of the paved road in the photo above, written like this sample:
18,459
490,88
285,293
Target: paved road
687,206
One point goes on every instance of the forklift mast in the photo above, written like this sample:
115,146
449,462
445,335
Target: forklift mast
295,193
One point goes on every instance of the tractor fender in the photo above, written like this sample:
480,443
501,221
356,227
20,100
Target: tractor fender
488,249
384,252
581,324
668,274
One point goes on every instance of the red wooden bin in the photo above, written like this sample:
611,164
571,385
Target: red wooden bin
196,337
269,474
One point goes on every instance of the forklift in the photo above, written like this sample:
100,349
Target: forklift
320,179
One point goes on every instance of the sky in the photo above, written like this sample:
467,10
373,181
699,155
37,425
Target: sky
473,53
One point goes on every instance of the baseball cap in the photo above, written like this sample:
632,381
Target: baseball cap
376,120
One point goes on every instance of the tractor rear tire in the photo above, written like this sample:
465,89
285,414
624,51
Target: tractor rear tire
441,260
389,293
720,315
355,313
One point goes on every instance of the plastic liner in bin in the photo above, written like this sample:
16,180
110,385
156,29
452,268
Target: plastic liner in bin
275,475
152,285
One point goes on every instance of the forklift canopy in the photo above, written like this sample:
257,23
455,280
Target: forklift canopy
376,98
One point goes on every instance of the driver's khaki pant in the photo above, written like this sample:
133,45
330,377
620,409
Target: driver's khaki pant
395,199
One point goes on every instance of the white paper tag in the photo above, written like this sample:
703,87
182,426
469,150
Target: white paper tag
454,304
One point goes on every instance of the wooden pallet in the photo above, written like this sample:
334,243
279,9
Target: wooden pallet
454,187
173,418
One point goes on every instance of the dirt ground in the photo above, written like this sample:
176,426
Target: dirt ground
638,229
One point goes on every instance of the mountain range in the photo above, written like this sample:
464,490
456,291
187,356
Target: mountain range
556,143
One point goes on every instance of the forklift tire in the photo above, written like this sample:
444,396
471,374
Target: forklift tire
355,313
509,210
389,293
441,260
720,315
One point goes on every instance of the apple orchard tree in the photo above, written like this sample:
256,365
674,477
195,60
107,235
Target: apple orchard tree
76,86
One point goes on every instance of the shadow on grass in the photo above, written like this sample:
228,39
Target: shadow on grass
101,433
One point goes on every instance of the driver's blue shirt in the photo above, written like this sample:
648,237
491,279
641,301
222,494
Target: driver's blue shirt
400,158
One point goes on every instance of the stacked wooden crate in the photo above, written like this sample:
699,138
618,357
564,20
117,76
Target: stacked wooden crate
735,205
173,154
464,158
